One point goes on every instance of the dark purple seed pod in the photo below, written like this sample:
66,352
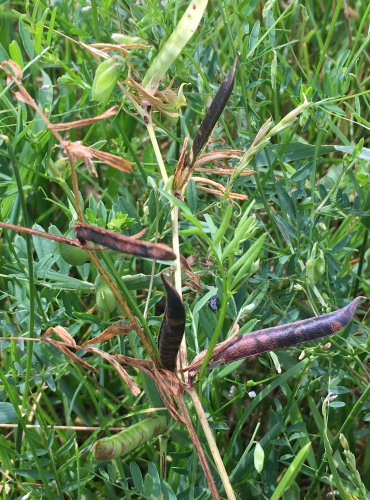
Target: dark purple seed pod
277,337
122,243
172,327
214,112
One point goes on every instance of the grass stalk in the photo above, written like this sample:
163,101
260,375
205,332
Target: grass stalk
32,288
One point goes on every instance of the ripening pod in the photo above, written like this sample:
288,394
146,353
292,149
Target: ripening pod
106,77
105,299
172,327
74,256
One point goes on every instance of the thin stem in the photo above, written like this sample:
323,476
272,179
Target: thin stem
198,447
75,190
78,428
212,444
145,313
215,336
156,149
334,445
324,50
361,263
126,308
183,357
30,275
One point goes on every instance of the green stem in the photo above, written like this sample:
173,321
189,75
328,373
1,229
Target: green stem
30,439
30,275
327,41
94,9
352,415
157,151
361,263
216,333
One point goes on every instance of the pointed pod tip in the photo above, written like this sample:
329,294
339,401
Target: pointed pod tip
346,314
164,280
356,300
236,58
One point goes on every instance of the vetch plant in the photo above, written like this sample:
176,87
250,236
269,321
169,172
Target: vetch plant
250,253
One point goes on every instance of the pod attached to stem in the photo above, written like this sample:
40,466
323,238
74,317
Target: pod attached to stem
172,327
277,337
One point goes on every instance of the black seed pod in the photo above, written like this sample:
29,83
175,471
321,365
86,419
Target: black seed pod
270,339
172,327
214,112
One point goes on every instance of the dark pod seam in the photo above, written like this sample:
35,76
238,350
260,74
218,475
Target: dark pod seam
172,327
277,337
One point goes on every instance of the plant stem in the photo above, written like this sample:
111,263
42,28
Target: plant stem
212,444
30,276
361,263
198,447
334,445
126,308
156,149
183,355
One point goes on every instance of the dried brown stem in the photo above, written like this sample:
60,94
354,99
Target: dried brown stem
125,307
203,460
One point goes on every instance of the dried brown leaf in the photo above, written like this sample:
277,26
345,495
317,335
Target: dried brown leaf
194,280
86,154
108,333
218,155
182,171
13,71
106,47
134,388
64,349
62,333
163,101
222,171
86,121
218,189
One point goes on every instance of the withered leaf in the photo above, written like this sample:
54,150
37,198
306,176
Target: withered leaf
64,349
86,154
86,121
108,333
62,333
134,388
194,280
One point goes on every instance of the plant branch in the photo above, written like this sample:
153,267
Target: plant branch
212,444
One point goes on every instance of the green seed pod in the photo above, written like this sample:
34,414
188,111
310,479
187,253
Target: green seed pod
319,266
105,299
73,255
105,78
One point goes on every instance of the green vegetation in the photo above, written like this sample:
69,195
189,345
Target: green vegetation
274,223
